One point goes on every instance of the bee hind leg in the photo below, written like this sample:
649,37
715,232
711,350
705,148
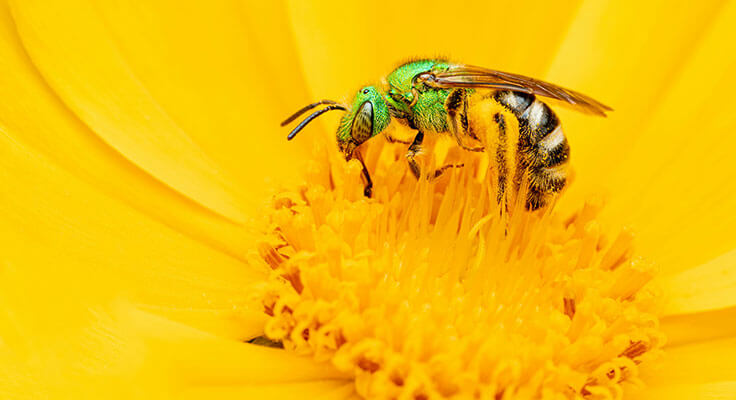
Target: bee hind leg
456,106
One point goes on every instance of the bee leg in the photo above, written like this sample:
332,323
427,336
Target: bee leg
414,149
439,171
368,188
456,101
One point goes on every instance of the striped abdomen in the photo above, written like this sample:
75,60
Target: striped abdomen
541,152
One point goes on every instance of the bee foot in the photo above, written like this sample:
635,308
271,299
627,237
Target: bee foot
440,171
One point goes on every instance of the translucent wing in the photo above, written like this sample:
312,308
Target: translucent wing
468,76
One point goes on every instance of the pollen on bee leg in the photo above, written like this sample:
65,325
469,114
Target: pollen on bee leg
431,289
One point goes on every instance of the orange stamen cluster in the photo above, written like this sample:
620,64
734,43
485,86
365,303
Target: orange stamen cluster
432,290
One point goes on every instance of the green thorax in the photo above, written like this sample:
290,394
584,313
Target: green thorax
428,113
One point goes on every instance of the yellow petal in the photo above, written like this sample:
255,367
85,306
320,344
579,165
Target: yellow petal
236,322
194,357
79,59
674,391
697,363
327,390
662,156
115,351
625,54
38,119
682,329
701,302
59,230
59,341
226,72
710,286
680,190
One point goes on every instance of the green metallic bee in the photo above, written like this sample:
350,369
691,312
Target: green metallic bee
433,96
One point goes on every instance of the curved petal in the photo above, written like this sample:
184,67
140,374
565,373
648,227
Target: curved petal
58,345
60,231
79,57
697,363
41,122
626,55
213,361
226,72
663,155
114,351
682,329
701,302
679,173
702,391
711,286
327,390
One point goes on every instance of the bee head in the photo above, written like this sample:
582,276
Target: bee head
367,117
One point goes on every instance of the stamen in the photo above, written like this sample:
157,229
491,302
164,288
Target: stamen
432,289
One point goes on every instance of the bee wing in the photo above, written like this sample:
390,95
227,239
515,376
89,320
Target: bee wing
468,76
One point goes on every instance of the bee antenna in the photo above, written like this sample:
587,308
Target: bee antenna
305,109
313,116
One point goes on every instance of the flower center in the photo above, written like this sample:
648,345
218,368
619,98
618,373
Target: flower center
431,289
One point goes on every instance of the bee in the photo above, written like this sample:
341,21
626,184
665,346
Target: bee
433,97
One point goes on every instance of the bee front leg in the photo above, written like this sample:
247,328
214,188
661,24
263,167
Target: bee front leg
457,120
368,188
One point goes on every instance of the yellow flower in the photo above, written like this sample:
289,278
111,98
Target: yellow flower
139,147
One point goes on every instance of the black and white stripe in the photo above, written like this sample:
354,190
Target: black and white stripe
542,148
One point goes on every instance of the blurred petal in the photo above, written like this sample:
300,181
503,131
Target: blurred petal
236,322
58,230
327,390
663,153
682,329
674,391
680,192
61,340
701,302
193,357
625,54
41,122
698,363
226,72
114,351
80,59
711,286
